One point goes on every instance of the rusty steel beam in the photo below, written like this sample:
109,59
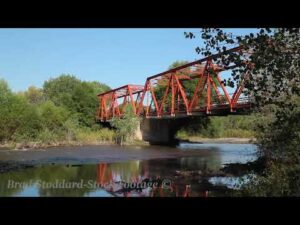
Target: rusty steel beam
195,62
140,87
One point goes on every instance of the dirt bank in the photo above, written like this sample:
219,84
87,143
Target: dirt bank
40,145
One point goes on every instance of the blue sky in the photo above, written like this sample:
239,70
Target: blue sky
112,56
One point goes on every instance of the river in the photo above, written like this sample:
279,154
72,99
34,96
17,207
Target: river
188,170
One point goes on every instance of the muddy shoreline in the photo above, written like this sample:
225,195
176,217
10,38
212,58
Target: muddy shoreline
94,154
90,154
38,145
195,140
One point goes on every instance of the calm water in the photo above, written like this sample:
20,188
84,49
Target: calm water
182,176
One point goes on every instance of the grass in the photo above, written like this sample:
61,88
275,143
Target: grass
88,136
238,133
79,136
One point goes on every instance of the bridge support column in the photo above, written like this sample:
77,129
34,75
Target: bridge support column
138,133
161,131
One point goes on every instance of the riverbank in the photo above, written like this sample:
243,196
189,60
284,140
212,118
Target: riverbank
192,139
195,139
78,155
39,145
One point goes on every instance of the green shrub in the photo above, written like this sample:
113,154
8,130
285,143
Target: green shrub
49,137
125,126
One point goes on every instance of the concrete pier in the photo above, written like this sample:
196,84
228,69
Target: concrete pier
160,131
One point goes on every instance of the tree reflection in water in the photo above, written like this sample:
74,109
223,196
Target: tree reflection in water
180,171
144,173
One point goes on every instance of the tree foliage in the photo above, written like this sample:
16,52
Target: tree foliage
126,126
63,110
269,59
77,96
269,65
34,95
17,117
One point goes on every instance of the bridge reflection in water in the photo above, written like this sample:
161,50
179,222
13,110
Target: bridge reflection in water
180,173
158,178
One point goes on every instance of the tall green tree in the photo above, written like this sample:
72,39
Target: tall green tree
77,96
18,119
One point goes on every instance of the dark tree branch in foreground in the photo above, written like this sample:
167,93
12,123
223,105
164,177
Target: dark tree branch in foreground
269,59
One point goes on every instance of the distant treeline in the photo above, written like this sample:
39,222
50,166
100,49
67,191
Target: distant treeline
62,110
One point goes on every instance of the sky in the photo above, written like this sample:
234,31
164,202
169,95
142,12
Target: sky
116,57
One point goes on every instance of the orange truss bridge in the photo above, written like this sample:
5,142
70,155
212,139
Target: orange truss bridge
192,89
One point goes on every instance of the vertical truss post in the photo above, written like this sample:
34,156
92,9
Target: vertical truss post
238,91
164,97
173,95
137,101
140,107
208,95
225,92
154,100
113,104
148,104
178,99
216,90
105,107
195,95
131,99
183,96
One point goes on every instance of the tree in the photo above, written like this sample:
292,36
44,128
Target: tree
53,117
269,65
65,106
177,64
5,92
77,96
18,120
126,126
34,95
269,59
161,86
